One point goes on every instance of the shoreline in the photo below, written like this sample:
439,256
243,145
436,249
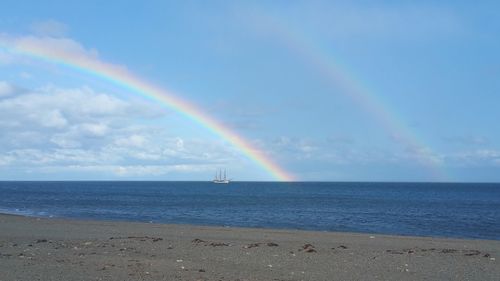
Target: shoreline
62,219
66,249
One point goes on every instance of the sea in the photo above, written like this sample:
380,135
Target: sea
458,210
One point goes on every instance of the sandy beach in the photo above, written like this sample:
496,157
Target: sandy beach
62,249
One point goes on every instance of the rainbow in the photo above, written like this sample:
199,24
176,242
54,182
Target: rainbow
68,53
337,74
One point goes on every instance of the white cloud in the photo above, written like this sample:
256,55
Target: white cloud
6,89
48,45
478,157
94,129
49,28
56,107
132,141
157,170
51,130
65,141
52,118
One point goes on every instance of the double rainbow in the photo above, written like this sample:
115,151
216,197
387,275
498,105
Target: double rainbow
69,53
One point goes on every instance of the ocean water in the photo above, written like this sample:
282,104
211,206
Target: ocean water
422,209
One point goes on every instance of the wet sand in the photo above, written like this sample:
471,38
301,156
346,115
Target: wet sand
57,249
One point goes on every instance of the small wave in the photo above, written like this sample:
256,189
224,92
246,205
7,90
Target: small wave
24,212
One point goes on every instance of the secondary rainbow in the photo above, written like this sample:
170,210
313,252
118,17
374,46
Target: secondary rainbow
338,75
68,53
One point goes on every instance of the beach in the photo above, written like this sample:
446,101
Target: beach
64,249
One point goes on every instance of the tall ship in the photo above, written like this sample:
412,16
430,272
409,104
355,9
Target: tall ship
219,179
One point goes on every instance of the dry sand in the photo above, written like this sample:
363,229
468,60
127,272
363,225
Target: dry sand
56,249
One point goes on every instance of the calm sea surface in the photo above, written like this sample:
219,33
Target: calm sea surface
426,209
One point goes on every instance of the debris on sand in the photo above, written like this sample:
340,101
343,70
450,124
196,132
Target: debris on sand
308,248
394,252
140,238
218,244
213,244
448,251
198,241
252,245
472,253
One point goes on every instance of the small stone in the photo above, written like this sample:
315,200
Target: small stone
179,260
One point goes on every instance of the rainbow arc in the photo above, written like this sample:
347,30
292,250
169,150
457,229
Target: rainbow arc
47,49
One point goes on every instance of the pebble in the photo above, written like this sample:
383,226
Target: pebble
371,237
179,260
492,259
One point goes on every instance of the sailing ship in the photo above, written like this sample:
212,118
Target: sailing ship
219,179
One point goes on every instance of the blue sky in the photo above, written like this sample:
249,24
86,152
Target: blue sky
330,90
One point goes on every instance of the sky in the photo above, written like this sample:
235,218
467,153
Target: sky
296,90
